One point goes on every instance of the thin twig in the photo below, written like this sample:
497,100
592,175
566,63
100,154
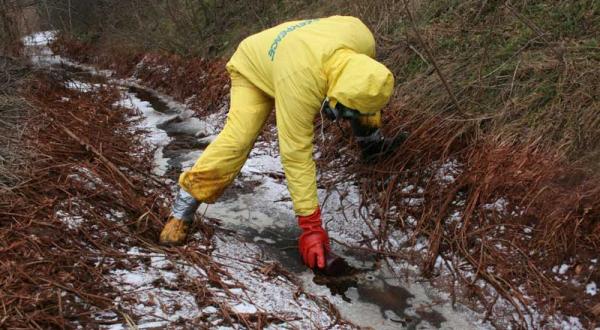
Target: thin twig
432,59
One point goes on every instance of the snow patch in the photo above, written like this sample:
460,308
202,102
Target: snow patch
150,119
591,288
499,205
72,221
448,171
82,86
244,308
42,38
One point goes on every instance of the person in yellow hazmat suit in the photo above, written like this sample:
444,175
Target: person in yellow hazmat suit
299,68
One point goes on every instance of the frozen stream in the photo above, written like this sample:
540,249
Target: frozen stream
257,209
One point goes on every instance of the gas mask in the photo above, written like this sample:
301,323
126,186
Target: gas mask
338,112
366,130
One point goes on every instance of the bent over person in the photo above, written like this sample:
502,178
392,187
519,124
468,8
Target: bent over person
299,68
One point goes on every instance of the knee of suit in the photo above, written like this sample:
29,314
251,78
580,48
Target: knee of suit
234,138
232,146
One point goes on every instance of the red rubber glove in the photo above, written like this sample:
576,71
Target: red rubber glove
314,241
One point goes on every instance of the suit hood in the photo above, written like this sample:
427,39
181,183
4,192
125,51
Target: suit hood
358,82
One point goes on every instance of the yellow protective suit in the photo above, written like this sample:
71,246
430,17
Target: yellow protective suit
293,66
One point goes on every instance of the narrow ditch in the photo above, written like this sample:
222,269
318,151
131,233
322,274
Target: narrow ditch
256,208
359,283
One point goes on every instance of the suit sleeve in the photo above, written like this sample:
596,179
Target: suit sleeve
297,101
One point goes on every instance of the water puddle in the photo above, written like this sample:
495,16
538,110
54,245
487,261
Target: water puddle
357,281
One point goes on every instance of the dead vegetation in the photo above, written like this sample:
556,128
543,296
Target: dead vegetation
80,204
52,273
81,200
521,138
199,82
13,114
547,214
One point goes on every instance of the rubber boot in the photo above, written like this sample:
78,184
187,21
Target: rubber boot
182,215
175,232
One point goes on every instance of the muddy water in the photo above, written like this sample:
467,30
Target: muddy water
359,282
365,293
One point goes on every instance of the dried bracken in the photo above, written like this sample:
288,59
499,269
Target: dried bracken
511,210
200,82
84,198
48,264
506,205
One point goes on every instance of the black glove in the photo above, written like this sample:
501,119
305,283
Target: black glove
376,150
372,144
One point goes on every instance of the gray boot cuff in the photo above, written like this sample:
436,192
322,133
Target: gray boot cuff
184,206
